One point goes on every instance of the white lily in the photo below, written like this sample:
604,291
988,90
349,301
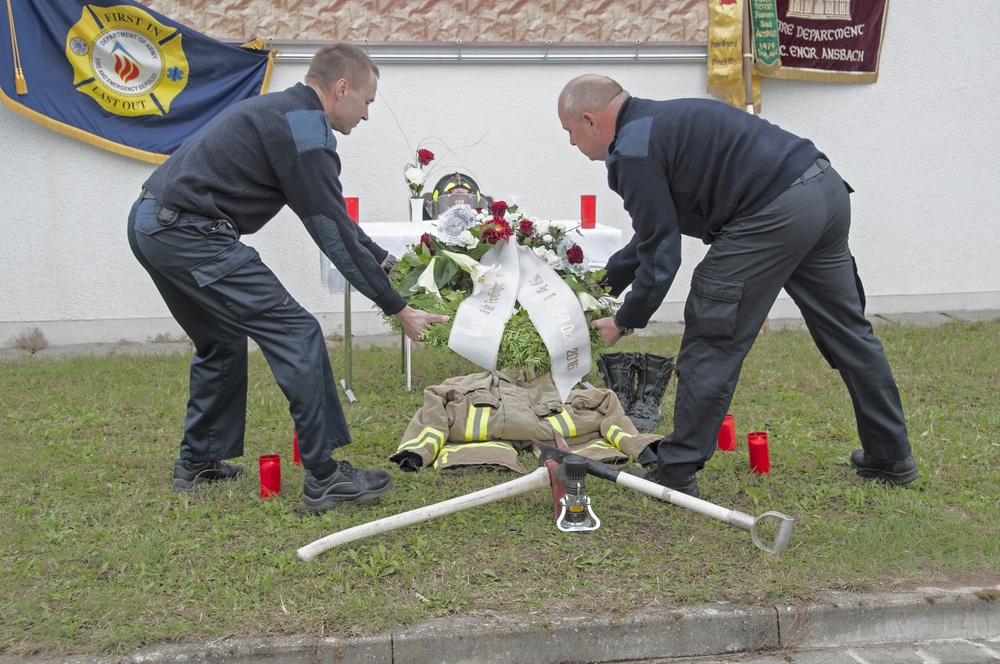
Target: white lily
426,279
588,301
469,264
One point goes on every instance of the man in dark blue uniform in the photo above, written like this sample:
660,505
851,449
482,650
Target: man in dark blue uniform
776,215
226,181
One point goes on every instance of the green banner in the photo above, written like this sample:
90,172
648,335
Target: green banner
764,23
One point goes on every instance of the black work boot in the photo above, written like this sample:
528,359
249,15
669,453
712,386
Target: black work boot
654,374
896,472
189,474
618,371
688,485
346,483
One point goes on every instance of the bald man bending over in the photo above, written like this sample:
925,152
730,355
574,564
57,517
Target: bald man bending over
775,215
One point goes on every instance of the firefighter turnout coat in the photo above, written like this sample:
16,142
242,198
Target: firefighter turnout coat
487,418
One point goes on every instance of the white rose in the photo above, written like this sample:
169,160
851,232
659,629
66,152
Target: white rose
467,239
414,175
546,238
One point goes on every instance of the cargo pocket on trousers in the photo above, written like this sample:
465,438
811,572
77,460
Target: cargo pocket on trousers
241,280
712,307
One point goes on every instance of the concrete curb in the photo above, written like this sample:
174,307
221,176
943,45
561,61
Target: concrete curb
849,619
833,619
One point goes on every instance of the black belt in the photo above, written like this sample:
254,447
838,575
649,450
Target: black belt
168,217
811,172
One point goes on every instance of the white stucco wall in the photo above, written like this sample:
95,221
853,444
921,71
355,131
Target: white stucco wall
918,146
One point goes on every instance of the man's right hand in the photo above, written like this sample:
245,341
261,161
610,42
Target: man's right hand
415,321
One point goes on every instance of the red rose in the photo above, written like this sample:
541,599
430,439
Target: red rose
425,157
425,240
574,255
526,227
498,208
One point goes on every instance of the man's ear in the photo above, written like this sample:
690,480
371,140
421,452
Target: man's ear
340,88
591,120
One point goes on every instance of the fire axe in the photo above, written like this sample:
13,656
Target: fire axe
565,474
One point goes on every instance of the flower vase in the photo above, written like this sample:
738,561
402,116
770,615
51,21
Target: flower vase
417,210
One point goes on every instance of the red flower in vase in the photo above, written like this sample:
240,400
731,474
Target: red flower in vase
574,255
424,157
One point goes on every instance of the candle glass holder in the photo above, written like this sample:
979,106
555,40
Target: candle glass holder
760,459
727,434
270,475
588,211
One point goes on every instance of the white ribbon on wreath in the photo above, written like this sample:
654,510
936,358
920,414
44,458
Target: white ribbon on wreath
554,309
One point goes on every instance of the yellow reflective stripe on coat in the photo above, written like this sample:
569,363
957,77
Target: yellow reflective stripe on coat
616,435
428,436
465,447
475,424
563,423
599,444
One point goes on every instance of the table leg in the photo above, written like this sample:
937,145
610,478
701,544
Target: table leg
345,382
405,350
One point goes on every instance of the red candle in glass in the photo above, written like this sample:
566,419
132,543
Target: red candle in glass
760,459
270,475
727,434
295,448
588,211
352,205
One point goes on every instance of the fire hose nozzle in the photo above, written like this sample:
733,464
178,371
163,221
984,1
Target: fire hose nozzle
576,514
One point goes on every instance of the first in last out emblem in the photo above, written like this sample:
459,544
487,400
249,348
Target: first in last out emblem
126,61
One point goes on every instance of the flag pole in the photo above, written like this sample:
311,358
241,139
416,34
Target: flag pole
747,59
748,90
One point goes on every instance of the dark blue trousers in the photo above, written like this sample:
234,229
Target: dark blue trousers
221,293
798,242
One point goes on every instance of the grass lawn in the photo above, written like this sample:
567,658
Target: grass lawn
97,555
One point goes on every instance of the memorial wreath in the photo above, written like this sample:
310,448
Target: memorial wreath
455,262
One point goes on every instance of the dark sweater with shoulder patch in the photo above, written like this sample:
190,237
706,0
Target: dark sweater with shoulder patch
688,167
261,154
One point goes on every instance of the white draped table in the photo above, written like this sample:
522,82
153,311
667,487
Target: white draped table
397,237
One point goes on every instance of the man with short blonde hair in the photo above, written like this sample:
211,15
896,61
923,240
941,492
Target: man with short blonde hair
340,61
229,180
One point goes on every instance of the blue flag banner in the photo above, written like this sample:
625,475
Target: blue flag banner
120,76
